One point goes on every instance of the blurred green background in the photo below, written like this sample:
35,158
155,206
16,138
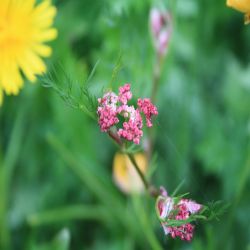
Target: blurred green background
56,187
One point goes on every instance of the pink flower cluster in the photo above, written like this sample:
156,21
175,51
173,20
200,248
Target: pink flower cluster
148,109
107,111
168,209
161,29
112,108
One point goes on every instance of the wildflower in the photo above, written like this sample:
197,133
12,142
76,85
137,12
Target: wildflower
24,28
161,29
125,175
242,6
112,109
169,208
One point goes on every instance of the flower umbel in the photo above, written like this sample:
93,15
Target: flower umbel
242,6
113,108
169,209
24,28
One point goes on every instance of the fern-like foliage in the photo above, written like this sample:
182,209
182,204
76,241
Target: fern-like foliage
74,94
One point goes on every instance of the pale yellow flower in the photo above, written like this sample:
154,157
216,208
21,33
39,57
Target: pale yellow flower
125,175
24,28
242,6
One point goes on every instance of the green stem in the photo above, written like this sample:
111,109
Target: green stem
155,85
153,191
244,175
156,76
73,212
132,159
145,223
6,173
149,187
103,192
115,137
93,182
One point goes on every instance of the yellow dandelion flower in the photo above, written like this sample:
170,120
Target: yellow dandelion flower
242,6
24,28
125,175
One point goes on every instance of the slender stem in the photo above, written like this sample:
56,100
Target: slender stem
6,174
244,175
156,76
155,85
100,189
152,190
115,137
72,212
132,159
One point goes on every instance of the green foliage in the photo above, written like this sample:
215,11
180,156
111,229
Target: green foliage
56,165
74,94
60,242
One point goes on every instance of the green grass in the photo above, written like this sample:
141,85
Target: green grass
56,185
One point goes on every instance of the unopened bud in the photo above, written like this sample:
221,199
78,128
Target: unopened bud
161,29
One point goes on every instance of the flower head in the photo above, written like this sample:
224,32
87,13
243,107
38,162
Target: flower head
161,29
169,209
242,6
113,108
24,28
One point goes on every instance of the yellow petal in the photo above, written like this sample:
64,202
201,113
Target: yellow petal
25,6
240,5
42,50
12,82
46,35
31,65
40,8
43,17
125,175
4,6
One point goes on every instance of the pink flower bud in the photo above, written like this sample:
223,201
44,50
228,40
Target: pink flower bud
146,107
161,29
155,21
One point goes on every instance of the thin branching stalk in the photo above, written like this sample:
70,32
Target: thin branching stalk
152,190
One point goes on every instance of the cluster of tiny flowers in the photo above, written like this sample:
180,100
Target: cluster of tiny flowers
168,210
107,111
148,109
161,29
112,107
185,231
